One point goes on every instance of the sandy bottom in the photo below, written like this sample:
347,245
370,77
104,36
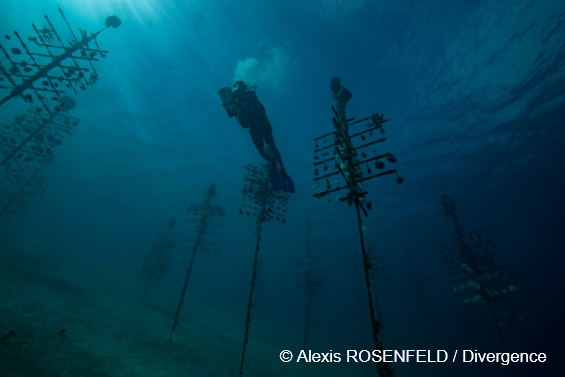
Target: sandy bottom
108,333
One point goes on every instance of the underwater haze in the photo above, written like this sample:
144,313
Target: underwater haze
475,94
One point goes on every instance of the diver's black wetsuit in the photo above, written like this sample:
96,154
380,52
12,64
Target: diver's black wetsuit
251,114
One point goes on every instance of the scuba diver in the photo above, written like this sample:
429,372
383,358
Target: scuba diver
244,105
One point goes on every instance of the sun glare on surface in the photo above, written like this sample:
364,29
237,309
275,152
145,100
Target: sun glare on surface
143,11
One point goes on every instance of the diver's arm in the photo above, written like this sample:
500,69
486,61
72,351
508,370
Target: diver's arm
232,112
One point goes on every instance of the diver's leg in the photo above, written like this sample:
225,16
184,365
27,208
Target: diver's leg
258,141
286,183
271,143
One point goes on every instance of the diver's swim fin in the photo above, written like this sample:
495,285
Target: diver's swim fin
286,181
276,181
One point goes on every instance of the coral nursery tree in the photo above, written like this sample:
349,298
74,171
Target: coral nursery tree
311,281
474,268
265,204
203,215
337,154
159,257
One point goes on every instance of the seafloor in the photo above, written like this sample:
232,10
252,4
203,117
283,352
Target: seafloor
108,332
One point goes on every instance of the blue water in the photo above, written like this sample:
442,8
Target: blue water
476,93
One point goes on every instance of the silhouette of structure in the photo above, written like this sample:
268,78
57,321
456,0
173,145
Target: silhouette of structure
475,269
340,159
41,70
45,68
30,138
159,257
311,281
27,145
379,272
203,215
18,192
265,204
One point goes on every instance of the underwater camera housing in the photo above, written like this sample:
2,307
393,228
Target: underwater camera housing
229,101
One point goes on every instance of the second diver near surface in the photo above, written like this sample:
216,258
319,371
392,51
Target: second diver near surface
244,105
